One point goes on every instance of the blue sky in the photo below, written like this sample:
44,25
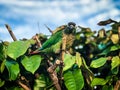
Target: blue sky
24,15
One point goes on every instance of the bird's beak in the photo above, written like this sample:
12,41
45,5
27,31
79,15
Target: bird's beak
71,26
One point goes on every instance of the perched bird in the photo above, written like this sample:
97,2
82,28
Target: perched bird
54,43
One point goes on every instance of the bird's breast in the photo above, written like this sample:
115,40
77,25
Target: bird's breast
69,40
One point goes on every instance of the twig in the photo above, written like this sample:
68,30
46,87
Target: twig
49,29
10,32
38,41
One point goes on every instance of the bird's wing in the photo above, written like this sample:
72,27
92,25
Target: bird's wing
55,38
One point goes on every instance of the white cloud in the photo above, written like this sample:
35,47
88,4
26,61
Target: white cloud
4,34
55,13
20,32
2,30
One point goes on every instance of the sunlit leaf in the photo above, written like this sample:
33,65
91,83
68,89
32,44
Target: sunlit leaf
17,48
70,81
101,33
2,66
2,51
88,74
2,83
74,79
98,81
32,63
78,59
98,62
115,62
115,47
115,38
77,74
31,41
69,60
13,69
40,82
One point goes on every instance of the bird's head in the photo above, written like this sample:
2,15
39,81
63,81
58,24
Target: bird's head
71,25
70,28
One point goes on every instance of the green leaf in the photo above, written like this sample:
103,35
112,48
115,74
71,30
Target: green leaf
70,81
98,62
78,59
2,67
17,48
69,60
115,62
2,51
115,70
74,80
98,81
13,69
106,87
115,47
31,63
31,41
106,51
2,83
78,79
88,74
40,82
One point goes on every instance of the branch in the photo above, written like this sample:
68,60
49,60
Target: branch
25,87
53,75
37,40
117,86
103,23
10,32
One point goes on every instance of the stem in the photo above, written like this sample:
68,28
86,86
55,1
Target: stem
38,41
25,87
10,32
49,29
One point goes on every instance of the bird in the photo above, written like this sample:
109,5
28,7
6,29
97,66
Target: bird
54,43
